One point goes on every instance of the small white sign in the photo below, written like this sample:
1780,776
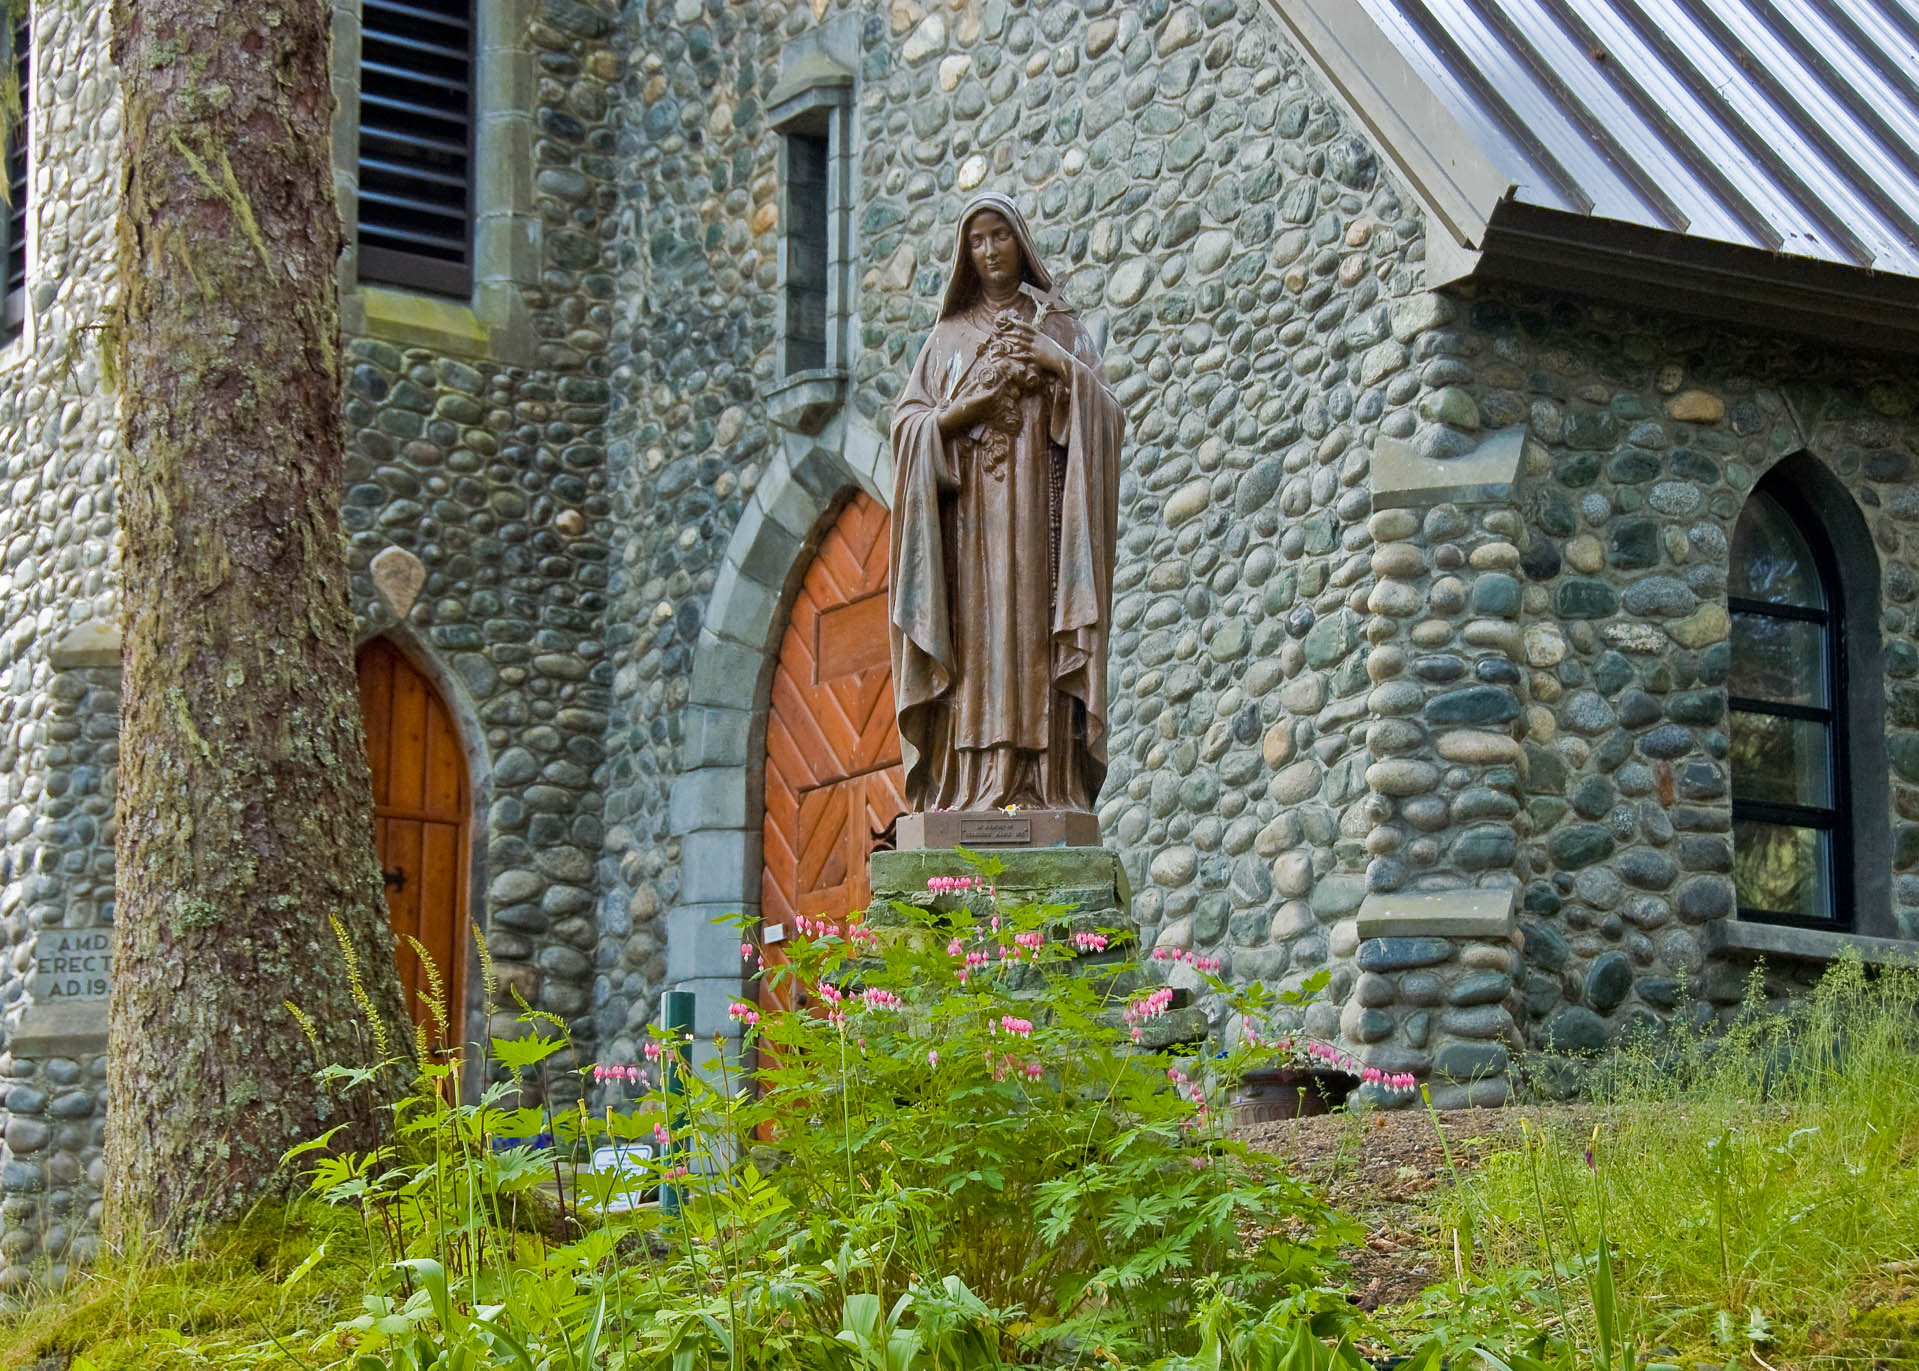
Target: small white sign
626,1163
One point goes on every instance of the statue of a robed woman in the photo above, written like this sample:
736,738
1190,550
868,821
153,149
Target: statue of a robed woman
1005,509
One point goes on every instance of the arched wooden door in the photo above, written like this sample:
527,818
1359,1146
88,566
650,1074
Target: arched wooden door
421,823
833,778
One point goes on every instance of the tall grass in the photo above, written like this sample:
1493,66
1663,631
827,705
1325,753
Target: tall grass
1758,1189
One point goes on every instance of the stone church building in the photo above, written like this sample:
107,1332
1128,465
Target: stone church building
1519,520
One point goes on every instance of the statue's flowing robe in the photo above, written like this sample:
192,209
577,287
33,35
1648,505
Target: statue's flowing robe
1002,582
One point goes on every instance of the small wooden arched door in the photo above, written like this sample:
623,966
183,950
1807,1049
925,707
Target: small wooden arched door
421,824
833,780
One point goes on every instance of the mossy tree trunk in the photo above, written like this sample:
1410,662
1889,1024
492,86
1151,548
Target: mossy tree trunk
245,807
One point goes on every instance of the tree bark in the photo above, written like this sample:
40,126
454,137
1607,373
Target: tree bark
245,807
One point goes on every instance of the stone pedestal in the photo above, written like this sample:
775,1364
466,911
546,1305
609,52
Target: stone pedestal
1088,878
1436,991
978,828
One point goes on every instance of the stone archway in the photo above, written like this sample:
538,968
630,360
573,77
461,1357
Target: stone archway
717,801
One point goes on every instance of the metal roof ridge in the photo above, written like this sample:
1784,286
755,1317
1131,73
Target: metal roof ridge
1744,190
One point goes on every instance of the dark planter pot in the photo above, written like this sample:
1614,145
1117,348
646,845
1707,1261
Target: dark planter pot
1290,1092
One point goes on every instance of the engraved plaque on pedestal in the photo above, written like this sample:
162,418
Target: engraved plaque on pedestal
995,828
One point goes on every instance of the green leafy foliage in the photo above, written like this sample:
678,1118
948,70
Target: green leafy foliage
957,1154
930,1172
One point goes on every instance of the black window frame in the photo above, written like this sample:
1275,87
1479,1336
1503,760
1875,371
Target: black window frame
1831,819
430,268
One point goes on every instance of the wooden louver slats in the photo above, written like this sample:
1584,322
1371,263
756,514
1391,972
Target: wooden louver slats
422,45
416,144
400,169
390,72
13,313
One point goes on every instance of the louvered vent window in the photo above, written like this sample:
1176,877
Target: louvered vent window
416,144
14,312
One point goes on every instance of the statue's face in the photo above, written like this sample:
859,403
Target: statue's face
994,251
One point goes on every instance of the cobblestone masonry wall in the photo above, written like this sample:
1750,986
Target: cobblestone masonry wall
56,526
58,724
52,1174
494,477
1320,698
1654,433
1258,278
1315,700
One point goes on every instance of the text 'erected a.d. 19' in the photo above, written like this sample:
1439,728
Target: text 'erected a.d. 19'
72,964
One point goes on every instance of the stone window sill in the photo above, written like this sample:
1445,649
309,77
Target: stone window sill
806,401
1737,938
412,319
401,316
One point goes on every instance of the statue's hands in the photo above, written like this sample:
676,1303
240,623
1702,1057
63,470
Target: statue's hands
966,411
1034,347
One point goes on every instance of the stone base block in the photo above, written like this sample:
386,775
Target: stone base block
1482,913
950,828
1089,878
1436,990
74,1029
1487,1094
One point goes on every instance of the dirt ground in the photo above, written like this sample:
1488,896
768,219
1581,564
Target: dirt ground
1380,1167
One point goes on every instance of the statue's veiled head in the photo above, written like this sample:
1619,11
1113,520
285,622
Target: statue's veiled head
991,228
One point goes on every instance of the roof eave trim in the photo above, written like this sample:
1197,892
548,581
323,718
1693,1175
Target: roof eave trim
1448,170
1683,274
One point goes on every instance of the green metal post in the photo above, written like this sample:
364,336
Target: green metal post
676,1017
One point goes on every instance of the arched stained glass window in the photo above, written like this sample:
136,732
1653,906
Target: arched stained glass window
1785,689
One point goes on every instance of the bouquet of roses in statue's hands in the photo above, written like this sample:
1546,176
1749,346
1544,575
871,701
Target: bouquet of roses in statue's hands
1006,365
1007,374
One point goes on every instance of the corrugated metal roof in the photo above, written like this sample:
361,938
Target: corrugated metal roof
1789,125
